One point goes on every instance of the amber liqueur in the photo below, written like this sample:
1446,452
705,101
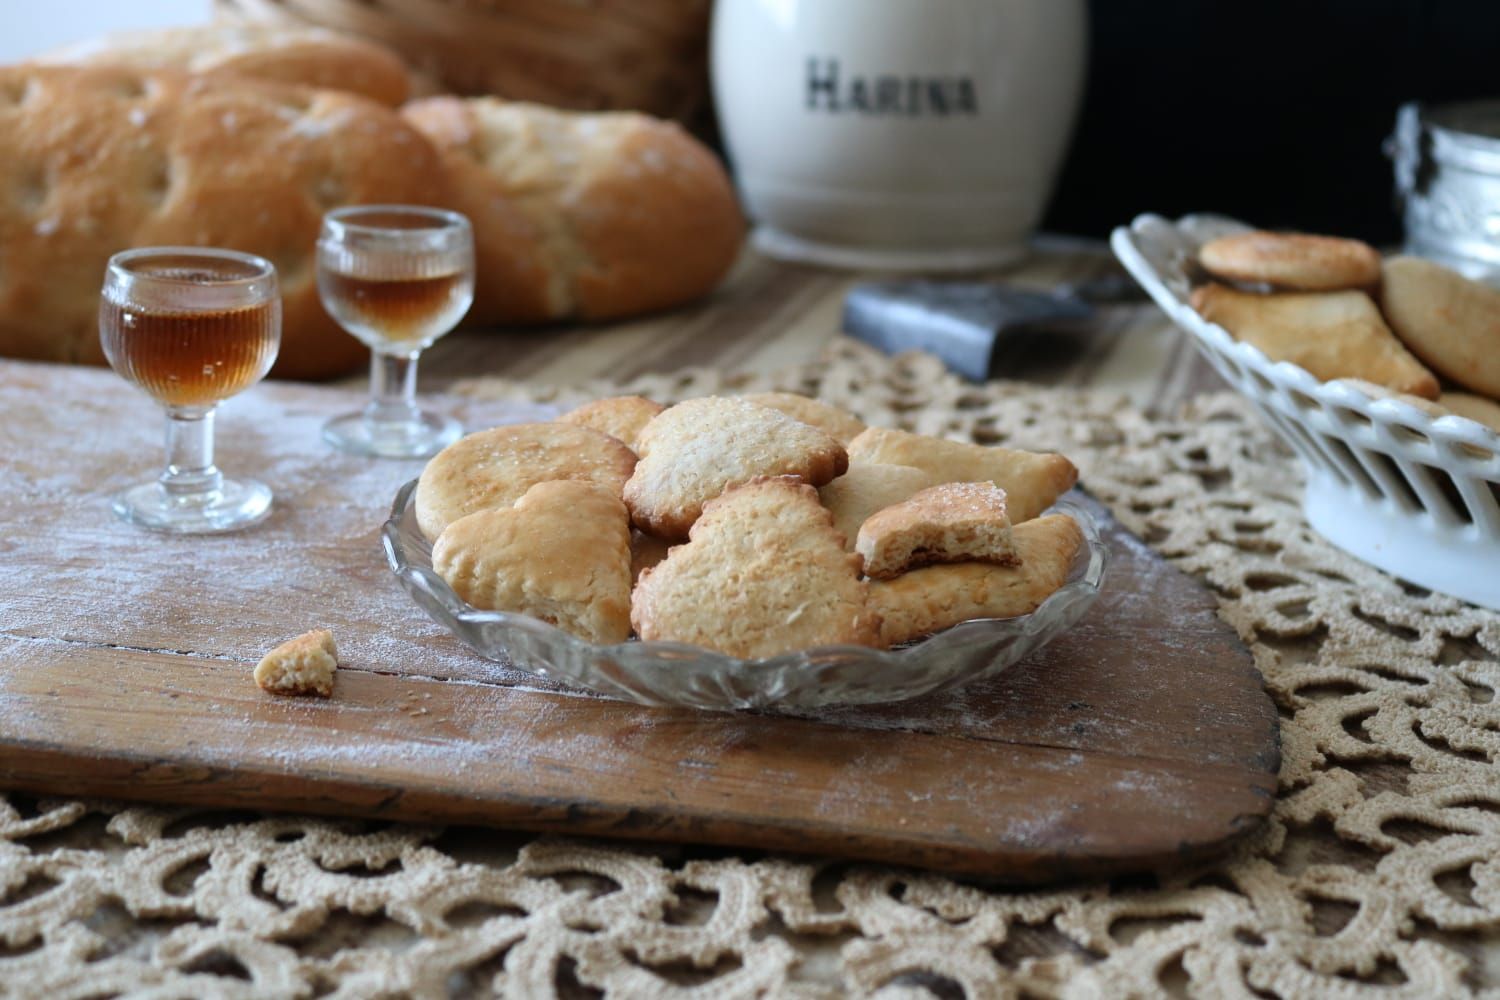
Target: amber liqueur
398,309
190,358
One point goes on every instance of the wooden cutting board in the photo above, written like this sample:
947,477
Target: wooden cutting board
1141,739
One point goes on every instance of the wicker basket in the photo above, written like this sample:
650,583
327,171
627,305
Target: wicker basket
649,55
1416,495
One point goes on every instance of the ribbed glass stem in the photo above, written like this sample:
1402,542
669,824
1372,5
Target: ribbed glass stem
190,475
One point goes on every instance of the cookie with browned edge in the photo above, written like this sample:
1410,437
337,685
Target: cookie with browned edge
933,598
561,554
699,448
495,468
1031,480
764,573
621,417
954,522
1297,261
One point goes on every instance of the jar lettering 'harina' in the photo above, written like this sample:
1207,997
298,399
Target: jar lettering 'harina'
1448,179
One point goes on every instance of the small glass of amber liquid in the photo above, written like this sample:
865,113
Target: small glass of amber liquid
397,277
191,326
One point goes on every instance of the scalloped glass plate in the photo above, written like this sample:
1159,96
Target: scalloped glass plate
665,673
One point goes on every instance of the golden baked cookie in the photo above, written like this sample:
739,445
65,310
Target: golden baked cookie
954,522
1476,408
764,573
494,468
304,665
866,487
1031,480
1292,260
841,425
699,448
1447,320
1332,334
934,598
620,417
561,554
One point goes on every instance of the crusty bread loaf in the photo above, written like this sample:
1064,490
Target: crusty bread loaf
100,159
590,216
312,57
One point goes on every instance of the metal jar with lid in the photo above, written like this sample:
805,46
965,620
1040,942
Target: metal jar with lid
1447,162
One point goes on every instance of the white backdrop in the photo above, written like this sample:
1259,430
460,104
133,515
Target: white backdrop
30,26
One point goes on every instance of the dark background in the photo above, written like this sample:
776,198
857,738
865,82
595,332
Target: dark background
1272,112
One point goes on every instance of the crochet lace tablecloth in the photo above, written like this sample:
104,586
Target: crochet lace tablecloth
1379,873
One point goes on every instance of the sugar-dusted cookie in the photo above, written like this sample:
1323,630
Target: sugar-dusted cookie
764,573
1447,320
1331,334
841,425
867,487
954,522
561,554
303,665
494,468
618,416
1292,260
1031,480
931,599
699,448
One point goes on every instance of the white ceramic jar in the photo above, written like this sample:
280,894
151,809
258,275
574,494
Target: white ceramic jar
904,134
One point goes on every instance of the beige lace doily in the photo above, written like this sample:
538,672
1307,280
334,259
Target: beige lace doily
1378,875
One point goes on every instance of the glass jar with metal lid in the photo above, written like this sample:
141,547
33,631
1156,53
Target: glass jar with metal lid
1447,162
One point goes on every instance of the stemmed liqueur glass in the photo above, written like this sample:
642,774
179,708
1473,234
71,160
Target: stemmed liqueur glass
191,326
397,277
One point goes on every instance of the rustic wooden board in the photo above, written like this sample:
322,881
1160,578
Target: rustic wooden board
1141,738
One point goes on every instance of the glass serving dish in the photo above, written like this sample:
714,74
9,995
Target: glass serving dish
666,673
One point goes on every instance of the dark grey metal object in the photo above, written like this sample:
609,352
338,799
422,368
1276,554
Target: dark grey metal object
962,323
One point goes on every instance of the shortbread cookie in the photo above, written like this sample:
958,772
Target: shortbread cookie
1292,260
1331,334
1447,320
841,425
561,554
764,573
955,522
494,468
304,665
1476,408
867,487
699,448
618,416
929,600
1031,480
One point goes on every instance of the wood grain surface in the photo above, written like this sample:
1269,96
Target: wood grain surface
769,315
1140,739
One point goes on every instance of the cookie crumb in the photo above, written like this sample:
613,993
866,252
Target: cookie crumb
299,666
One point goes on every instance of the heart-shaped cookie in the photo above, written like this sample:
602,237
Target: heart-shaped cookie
561,554
699,448
764,573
